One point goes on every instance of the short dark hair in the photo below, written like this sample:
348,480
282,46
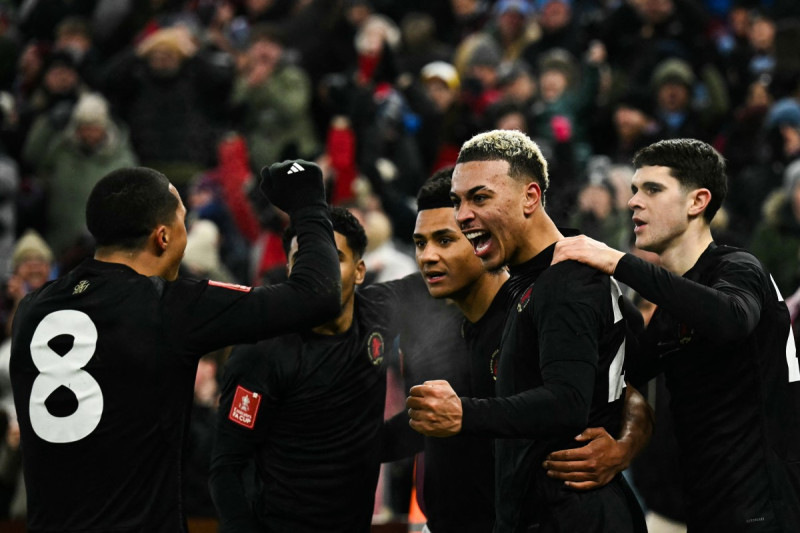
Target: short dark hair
524,158
344,223
693,163
435,192
127,204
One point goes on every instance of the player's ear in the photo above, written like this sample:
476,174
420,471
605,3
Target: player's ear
361,271
160,237
533,198
698,201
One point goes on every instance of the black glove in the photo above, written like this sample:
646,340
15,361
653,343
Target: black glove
292,185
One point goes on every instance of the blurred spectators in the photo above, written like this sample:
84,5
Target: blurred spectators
271,102
71,161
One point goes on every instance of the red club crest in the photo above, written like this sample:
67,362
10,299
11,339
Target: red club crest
375,348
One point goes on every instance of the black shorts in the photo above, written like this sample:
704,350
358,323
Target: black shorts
609,509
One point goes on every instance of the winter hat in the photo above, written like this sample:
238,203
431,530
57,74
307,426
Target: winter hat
31,246
202,246
523,7
784,112
486,53
91,108
440,70
176,38
672,70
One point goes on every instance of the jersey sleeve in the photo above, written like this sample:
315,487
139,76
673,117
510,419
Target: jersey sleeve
203,316
726,311
238,434
568,312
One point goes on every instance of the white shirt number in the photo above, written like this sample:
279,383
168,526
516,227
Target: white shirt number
616,372
67,371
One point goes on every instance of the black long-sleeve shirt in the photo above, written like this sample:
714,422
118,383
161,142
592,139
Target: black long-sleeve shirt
560,370
722,336
308,408
456,491
103,364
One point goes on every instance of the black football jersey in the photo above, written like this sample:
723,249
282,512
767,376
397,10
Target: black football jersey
102,367
560,370
434,345
309,409
723,338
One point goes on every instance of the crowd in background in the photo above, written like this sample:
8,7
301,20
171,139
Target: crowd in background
381,93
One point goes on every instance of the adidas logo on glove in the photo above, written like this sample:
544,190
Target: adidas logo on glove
295,168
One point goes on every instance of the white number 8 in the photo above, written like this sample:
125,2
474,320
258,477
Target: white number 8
56,371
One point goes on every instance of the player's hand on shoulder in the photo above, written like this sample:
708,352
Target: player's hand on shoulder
587,251
292,185
434,409
591,466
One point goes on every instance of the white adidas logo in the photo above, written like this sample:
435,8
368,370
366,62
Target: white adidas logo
295,168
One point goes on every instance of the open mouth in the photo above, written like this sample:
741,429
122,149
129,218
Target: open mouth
638,224
480,241
433,277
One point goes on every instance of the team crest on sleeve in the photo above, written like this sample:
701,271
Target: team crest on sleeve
375,348
525,300
231,286
244,407
684,333
494,359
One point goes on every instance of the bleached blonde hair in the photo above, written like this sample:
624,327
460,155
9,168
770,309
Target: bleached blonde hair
525,160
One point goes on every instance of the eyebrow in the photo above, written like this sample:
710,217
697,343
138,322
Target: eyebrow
470,192
437,233
647,184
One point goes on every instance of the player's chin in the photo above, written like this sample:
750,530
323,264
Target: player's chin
440,290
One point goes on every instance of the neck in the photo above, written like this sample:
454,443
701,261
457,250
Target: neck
139,260
341,323
682,255
476,301
539,233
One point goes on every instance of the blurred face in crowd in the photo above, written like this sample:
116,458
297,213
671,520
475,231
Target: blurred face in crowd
521,90
34,272
60,79
552,84
164,60
512,121
254,7
739,21
444,255
555,15
90,135
463,8
597,200
655,11
762,34
511,24
758,95
673,96
629,122
440,94
265,52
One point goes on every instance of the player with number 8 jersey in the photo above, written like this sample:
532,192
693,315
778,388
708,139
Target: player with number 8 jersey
104,358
